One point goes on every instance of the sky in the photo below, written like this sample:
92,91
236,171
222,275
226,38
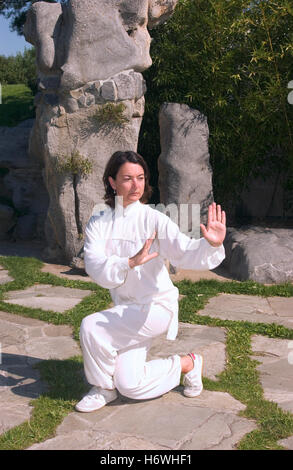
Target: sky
10,43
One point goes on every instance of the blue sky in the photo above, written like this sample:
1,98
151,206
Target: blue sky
10,43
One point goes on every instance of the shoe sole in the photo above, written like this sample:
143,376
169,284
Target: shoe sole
84,410
196,394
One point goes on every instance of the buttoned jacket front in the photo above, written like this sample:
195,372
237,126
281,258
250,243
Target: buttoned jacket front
115,235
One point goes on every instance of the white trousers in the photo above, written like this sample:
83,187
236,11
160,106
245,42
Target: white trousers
115,343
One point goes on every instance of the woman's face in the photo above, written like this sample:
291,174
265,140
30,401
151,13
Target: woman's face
129,182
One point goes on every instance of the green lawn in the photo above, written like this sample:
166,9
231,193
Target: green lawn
17,105
64,377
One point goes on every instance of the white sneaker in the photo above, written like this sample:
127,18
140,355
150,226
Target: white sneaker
96,398
192,380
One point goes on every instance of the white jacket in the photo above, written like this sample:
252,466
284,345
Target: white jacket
114,236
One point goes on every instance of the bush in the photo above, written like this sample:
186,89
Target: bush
232,61
19,69
17,105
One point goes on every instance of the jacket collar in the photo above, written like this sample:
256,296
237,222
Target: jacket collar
127,211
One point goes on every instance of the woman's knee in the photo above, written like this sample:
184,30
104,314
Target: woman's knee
124,385
87,328
126,391
84,327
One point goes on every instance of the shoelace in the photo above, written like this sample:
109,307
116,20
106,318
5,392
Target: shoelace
92,394
192,356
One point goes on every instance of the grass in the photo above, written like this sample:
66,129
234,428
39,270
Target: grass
65,379
111,115
17,105
27,272
65,388
75,164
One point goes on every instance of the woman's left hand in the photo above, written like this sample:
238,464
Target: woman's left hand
215,231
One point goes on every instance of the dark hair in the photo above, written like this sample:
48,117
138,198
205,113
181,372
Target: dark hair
112,168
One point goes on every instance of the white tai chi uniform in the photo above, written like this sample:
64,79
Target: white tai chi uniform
115,341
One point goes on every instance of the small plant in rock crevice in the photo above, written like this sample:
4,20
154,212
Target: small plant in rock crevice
111,115
75,163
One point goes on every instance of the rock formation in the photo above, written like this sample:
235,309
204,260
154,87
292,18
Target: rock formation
262,254
185,175
23,197
90,103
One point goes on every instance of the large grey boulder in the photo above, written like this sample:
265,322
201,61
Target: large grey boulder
7,220
262,254
94,39
75,127
14,145
89,58
185,175
30,200
22,190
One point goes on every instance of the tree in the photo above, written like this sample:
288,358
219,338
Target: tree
232,60
16,10
20,68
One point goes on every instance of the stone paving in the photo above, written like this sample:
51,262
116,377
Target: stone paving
4,276
169,422
26,341
47,297
276,369
210,421
251,308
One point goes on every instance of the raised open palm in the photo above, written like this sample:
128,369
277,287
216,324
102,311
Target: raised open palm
215,231
143,255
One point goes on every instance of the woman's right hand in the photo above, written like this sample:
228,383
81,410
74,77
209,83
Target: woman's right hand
143,256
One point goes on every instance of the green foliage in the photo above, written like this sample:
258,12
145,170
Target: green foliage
65,384
17,105
232,61
110,115
17,10
75,164
19,69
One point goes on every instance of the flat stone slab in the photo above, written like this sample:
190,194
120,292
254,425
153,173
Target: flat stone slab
276,369
276,373
251,308
4,276
210,421
48,297
24,342
205,340
287,443
66,272
172,421
195,276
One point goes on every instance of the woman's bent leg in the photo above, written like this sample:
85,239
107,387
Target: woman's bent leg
97,347
116,341
141,380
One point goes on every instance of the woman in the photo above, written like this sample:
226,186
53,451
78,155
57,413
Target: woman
125,251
